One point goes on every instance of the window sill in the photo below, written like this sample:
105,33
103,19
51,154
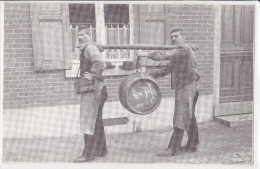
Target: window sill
116,71
107,72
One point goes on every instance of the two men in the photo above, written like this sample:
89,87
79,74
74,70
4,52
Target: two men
91,104
184,77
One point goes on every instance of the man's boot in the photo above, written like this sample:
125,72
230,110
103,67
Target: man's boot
169,151
179,140
101,149
86,154
193,132
193,139
174,144
99,146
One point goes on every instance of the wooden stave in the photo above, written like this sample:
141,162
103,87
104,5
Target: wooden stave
126,85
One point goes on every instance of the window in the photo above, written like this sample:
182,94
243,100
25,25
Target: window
116,17
55,27
81,16
117,30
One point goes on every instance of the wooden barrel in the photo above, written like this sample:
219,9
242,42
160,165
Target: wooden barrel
140,93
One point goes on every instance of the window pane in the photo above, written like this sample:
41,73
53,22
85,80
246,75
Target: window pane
82,13
116,13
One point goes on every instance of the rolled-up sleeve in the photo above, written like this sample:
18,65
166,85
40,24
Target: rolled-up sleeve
156,55
162,72
180,50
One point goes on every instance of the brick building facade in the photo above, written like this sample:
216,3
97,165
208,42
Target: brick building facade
26,88
42,102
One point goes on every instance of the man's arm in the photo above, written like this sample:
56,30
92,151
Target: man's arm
162,72
97,60
158,55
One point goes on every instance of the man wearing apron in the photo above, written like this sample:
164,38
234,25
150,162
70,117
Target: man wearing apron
184,77
91,103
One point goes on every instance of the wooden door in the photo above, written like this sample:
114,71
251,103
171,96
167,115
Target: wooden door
236,61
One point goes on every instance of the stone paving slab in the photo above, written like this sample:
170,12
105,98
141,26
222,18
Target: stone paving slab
218,145
235,120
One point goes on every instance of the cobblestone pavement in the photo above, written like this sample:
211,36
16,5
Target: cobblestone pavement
218,145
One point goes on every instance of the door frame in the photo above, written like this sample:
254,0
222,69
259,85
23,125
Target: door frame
222,109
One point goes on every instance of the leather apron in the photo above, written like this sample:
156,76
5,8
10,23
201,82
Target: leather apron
89,102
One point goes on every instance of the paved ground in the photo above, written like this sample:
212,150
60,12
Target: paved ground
218,145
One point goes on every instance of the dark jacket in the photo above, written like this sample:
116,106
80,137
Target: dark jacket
182,66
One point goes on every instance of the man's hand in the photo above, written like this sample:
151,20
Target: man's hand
142,53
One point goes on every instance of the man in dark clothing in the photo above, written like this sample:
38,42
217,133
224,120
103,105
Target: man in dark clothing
91,104
184,77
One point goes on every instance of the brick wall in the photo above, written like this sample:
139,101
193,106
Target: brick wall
23,87
197,21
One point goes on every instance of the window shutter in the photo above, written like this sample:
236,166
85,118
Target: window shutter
152,24
51,36
152,29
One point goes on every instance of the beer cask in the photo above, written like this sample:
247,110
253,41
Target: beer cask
139,93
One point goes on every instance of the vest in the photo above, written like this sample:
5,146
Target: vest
85,63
